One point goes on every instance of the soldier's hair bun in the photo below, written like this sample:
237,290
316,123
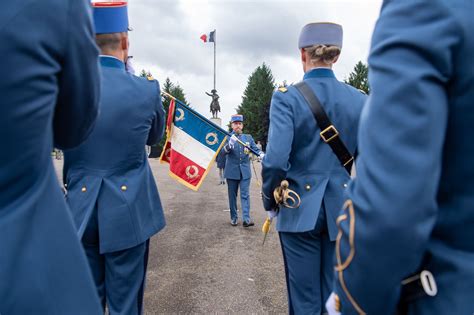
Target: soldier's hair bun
324,53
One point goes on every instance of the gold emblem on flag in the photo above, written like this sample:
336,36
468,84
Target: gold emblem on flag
179,117
211,138
192,171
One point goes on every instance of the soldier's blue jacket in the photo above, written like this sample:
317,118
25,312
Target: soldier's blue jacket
110,170
220,159
296,152
49,89
412,203
237,164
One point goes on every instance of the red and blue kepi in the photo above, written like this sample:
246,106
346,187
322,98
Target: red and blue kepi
110,17
237,118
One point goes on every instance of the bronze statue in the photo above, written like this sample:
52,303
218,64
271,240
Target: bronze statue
215,107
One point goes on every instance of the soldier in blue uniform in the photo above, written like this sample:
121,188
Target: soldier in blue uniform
411,207
49,97
296,152
220,161
110,187
237,170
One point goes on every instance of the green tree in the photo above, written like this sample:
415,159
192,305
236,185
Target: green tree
177,91
256,101
174,89
358,78
143,73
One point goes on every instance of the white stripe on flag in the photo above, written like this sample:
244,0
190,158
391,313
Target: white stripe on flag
191,148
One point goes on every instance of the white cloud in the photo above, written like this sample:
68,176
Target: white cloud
166,41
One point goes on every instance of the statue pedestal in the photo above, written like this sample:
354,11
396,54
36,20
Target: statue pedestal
217,121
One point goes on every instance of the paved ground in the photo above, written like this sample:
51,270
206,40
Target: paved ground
201,264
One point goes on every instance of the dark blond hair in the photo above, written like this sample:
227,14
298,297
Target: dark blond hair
326,54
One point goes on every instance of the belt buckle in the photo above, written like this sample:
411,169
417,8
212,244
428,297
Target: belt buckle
328,138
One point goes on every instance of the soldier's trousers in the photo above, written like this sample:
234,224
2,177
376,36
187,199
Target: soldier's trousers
309,268
119,276
233,189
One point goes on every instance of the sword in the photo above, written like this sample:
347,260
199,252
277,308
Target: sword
283,196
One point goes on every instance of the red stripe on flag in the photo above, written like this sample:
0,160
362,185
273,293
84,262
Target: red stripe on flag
170,116
185,169
203,37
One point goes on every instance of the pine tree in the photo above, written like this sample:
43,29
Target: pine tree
178,92
255,104
142,73
168,88
175,90
359,77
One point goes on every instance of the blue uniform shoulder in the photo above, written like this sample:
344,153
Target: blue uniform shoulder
149,84
353,89
284,98
285,92
357,93
145,80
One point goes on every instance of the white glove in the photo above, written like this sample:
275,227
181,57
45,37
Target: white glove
232,141
272,214
129,67
261,156
331,305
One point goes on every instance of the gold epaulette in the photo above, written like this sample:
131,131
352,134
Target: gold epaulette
150,77
282,89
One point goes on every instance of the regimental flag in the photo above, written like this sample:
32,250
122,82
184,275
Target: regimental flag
211,37
192,145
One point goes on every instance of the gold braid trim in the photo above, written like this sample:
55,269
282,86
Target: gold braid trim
340,267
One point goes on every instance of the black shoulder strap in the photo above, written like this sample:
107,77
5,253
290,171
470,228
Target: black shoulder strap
329,133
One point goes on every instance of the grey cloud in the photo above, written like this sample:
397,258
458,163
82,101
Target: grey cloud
249,32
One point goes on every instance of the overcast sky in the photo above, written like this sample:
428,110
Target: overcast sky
165,40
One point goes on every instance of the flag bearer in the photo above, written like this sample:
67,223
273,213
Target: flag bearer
237,170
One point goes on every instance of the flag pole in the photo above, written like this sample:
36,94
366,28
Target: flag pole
215,59
208,121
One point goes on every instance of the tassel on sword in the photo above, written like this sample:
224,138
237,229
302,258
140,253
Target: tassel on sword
284,196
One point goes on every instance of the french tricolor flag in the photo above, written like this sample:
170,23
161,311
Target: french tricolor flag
211,37
191,146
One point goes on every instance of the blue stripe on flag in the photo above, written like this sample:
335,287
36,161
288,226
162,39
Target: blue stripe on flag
197,128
